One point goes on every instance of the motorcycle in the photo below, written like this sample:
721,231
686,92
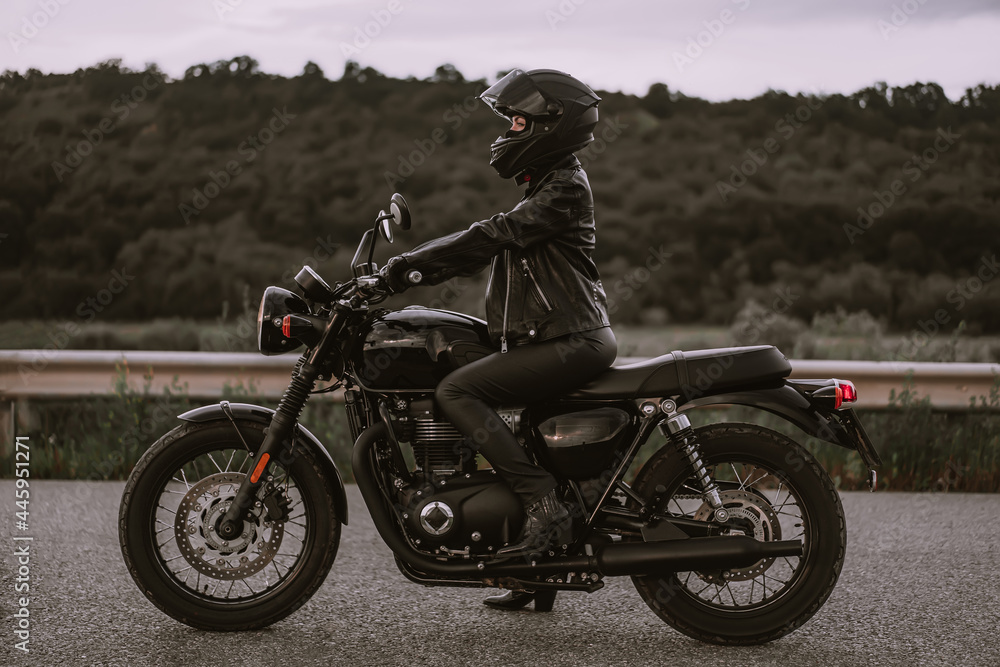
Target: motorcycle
732,533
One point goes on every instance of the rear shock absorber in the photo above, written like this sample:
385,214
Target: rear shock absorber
677,429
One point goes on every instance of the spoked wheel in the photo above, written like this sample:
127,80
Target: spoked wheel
773,490
173,503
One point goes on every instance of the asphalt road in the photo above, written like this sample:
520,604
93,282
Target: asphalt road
920,587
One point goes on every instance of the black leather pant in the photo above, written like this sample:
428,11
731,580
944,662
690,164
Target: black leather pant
524,374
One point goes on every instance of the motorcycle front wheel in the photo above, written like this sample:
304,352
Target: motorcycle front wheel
774,490
172,503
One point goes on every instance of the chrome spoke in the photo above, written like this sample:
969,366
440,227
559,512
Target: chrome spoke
737,474
245,460
750,485
729,588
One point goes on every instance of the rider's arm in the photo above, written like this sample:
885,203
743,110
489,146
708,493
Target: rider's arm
542,215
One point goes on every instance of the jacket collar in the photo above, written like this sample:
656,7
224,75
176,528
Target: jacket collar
534,174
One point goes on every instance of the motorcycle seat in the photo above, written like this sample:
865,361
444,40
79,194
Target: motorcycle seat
690,374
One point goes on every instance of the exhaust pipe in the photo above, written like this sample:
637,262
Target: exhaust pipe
694,553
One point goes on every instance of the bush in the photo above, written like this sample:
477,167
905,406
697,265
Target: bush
842,335
924,450
757,325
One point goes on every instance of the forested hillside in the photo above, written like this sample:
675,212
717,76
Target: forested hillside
174,197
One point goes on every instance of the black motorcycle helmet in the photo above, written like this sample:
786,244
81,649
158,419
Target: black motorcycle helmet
561,114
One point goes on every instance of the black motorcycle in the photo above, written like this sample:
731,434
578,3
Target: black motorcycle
732,533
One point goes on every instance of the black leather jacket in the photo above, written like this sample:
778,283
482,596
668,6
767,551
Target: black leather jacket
543,280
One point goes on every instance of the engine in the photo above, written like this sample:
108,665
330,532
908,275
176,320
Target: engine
452,506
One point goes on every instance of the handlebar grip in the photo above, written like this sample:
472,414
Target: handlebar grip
414,277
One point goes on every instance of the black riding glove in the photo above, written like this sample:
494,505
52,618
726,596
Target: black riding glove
394,273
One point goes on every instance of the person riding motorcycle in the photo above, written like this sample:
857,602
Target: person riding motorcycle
546,307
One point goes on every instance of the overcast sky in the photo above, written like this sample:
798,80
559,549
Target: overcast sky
715,49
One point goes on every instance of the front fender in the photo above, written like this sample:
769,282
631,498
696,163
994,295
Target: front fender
304,438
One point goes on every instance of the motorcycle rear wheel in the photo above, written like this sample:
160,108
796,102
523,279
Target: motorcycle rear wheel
780,492
177,493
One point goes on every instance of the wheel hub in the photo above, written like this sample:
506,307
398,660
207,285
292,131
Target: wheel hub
750,514
195,531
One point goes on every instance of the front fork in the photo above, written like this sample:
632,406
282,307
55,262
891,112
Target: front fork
677,429
281,429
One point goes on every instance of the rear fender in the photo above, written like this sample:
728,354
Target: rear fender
840,427
303,438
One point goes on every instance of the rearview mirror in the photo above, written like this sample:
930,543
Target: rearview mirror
400,211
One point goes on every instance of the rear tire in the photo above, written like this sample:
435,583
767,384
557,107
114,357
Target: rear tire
784,494
175,495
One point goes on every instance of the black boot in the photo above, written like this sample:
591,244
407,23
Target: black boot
548,522
514,600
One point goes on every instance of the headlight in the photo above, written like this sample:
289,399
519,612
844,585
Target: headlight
274,305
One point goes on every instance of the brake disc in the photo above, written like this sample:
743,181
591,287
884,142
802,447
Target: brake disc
205,550
752,515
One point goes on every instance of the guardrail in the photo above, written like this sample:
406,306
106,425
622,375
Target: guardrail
42,374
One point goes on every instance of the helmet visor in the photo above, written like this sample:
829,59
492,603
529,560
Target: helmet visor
516,93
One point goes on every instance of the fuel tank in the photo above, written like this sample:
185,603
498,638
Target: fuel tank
413,349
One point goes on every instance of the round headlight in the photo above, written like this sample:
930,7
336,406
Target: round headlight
274,305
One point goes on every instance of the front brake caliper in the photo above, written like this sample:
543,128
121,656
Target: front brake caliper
276,503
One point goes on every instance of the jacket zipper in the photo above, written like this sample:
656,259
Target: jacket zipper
506,302
538,288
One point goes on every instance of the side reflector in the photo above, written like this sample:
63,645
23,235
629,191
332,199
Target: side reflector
260,468
286,326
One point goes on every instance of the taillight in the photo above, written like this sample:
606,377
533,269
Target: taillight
846,393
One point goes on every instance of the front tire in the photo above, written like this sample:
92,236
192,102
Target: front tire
174,498
779,492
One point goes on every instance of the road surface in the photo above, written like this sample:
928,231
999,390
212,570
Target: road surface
920,586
